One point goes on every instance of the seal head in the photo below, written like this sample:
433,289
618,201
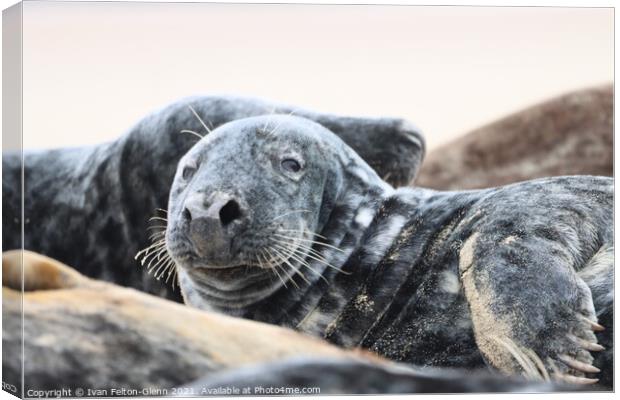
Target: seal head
248,201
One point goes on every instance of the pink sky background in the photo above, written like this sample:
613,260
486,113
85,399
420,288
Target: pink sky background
92,70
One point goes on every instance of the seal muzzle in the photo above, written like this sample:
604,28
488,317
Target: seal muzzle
213,223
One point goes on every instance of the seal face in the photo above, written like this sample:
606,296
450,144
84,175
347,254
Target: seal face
236,233
289,226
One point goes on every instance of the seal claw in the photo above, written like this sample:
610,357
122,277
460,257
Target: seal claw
593,346
596,327
590,346
575,380
578,365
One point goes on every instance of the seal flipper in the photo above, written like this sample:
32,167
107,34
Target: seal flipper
599,275
532,313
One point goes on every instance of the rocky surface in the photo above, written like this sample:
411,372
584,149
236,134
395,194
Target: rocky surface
84,333
568,135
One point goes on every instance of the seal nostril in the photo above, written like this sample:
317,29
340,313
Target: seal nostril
230,212
187,215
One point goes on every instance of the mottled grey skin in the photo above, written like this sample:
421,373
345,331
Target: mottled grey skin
342,376
89,207
453,279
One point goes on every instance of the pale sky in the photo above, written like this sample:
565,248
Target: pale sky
92,70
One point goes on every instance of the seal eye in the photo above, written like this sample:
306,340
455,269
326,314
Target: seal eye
290,165
188,172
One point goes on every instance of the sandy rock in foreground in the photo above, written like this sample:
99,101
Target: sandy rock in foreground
85,333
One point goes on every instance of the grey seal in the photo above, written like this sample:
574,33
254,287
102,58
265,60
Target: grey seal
290,226
89,207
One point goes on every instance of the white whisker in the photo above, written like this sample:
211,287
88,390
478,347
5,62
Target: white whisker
163,264
274,270
145,252
290,278
199,119
311,253
285,258
309,241
155,257
273,109
303,231
157,260
193,133
288,213
172,270
303,262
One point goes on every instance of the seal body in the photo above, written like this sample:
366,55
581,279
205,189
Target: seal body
90,207
511,277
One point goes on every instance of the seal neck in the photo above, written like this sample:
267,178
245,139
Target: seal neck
352,212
